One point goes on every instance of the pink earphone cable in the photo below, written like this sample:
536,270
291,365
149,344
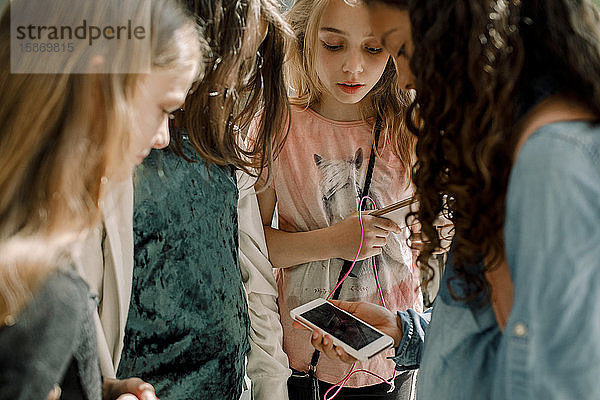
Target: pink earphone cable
362,237
341,383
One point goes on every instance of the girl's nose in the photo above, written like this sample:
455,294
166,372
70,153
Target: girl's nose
162,137
353,63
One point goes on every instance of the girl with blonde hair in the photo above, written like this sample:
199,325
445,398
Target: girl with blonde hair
347,113
66,134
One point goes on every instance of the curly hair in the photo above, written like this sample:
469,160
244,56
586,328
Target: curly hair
237,85
472,62
388,101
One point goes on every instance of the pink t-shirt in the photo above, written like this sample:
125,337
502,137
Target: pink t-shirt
318,178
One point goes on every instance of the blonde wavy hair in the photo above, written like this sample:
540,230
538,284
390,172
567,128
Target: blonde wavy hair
388,101
64,136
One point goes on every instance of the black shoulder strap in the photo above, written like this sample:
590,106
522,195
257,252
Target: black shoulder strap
347,264
365,191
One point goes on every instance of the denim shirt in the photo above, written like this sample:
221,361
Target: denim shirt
550,348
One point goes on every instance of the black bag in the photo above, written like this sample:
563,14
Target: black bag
305,385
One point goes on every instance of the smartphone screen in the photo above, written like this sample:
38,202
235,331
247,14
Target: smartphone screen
341,325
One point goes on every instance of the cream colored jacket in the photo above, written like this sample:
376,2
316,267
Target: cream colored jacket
106,263
268,366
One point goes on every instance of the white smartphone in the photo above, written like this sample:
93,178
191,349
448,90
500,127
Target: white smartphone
356,337
397,212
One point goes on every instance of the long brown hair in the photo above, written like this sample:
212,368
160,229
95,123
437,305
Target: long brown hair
388,101
63,137
473,61
237,86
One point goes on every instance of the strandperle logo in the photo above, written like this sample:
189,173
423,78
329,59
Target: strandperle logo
80,36
82,32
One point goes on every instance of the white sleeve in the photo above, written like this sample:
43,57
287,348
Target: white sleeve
268,365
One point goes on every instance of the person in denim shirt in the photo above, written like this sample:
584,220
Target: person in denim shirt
509,96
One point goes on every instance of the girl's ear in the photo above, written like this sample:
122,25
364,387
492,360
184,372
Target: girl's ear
96,65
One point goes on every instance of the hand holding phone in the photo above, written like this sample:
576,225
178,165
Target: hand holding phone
358,338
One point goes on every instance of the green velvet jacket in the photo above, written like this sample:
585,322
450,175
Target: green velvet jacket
188,325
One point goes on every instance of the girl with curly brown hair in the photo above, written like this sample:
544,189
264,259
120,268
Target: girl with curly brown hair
508,94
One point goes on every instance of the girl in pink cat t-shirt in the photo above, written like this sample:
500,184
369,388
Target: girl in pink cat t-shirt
344,82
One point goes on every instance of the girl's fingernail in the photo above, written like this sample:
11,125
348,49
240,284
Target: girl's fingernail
315,335
338,351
